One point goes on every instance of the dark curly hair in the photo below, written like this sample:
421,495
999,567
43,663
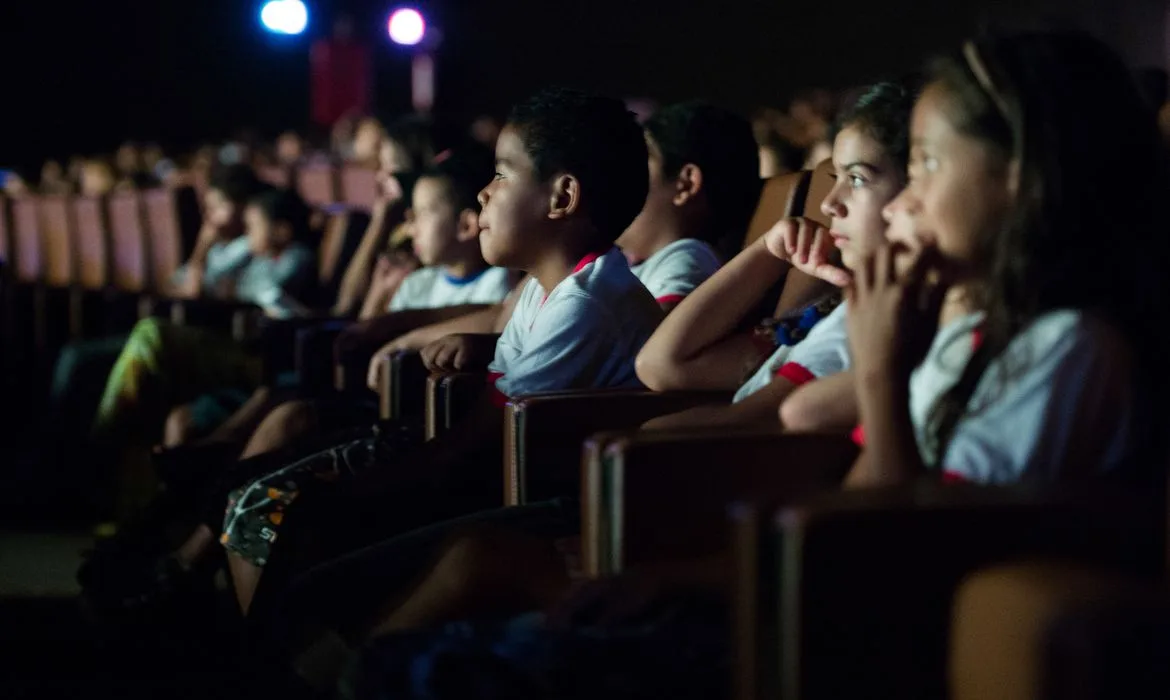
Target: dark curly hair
466,170
1085,231
721,144
597,140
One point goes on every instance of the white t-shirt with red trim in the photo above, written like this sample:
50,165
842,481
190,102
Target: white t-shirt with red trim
584,334
824,351
674,271
1058,402
433,287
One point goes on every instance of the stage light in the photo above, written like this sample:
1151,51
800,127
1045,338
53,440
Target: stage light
284,16
406,26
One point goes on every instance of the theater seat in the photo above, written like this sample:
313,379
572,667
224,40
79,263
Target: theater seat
1049,631
449,397
317,184
402,390
544,432
359,187
853,590
663,495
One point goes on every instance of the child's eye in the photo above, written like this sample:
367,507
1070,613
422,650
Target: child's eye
856,182
930,164
498,175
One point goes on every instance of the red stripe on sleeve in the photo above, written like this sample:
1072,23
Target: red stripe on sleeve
858,435
796,373
671,298
954,478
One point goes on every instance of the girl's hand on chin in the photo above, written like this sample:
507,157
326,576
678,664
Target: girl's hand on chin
894,304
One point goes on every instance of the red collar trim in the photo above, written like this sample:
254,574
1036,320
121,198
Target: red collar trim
591,257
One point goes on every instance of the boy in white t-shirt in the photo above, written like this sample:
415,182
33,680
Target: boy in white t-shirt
703,191
444,228
570,176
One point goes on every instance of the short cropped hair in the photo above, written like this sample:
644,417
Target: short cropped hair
466,170
722,145
595,139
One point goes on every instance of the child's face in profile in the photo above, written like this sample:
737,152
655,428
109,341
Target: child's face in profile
515,206
959,193
865,180
434,221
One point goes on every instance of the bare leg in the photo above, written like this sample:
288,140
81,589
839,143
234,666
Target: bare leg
180,427
196,547
245,579
285,423
240,426
497,571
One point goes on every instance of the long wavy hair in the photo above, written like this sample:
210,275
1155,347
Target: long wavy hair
1087,229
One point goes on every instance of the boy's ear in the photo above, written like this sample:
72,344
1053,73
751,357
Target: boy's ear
687,184
468,226
565,197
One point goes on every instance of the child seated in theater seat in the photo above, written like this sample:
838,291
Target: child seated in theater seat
163,365
570,177
443,225
221,249
871,146
700,343
1046,366
702,191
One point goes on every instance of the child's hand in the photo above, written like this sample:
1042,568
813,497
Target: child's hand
808,247
894,305
389,272
459,353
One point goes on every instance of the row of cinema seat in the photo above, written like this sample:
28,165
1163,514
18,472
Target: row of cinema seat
927,591
78,267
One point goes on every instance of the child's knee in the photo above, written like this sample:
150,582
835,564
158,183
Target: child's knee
487,558
281,426
180,426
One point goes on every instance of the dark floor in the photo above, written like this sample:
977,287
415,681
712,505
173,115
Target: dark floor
50,647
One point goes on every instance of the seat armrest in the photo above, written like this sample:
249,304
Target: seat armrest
313,354
868,578
449,396
402,390
663,495
544,432
356,347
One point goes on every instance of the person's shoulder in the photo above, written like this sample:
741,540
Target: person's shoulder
687,250
1065,331
494,276
423,276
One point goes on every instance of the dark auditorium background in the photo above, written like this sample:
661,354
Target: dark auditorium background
82,76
